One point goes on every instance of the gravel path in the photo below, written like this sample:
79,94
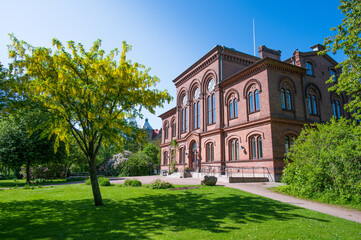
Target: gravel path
260,189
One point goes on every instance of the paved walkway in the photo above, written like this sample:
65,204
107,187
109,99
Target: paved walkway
260,189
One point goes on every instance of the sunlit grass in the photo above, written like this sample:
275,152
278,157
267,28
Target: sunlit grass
12,183
68,212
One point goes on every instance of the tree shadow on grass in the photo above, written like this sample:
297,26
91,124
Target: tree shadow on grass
138,217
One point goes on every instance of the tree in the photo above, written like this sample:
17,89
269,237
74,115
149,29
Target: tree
348,39
153,152
324,162
136,165
88,94
18,147
133,141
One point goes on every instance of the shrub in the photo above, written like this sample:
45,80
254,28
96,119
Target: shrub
324,163
127,183
137,165
26,186
159,184
136,183
103,181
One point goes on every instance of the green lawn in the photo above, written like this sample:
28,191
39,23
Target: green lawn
323,198
10,183
67,212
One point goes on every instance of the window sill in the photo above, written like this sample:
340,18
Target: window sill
253,112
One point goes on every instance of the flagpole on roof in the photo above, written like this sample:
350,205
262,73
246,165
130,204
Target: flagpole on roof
254,40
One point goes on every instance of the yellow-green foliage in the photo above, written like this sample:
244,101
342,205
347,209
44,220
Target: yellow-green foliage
85,90
87,93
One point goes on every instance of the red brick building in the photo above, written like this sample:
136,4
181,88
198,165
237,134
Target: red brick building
237,112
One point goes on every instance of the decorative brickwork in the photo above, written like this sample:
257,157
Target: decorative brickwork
270,98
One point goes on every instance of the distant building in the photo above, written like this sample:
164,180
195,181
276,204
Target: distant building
236,112
151,134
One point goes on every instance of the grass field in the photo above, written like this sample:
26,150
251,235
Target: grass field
322,199
67,212
11,183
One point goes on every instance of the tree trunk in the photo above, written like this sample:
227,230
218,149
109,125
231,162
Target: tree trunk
94,181
27,172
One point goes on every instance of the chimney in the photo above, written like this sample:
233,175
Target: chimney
318,47
268,52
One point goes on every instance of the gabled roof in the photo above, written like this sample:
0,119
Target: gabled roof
260,66
168,113
213,54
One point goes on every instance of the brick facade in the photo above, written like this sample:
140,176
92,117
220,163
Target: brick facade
253,134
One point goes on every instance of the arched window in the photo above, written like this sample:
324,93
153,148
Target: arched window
309,67
210,152
256,147
253,101
182,155
166,130
196,109
233,149
256,97
288,99
211,99
336,105
211,109
165,158
184,114
173,126
289,140
312,104
214,107
197,118
283,99
233,107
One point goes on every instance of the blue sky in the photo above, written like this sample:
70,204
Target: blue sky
168,35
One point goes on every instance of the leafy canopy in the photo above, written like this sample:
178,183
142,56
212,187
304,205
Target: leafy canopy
348,39
89,94
325,162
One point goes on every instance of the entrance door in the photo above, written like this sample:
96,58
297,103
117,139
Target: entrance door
194,157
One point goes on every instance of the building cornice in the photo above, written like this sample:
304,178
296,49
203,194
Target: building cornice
168,113
188,74
229,54
266,63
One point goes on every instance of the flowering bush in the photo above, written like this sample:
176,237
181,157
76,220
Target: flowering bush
159,184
